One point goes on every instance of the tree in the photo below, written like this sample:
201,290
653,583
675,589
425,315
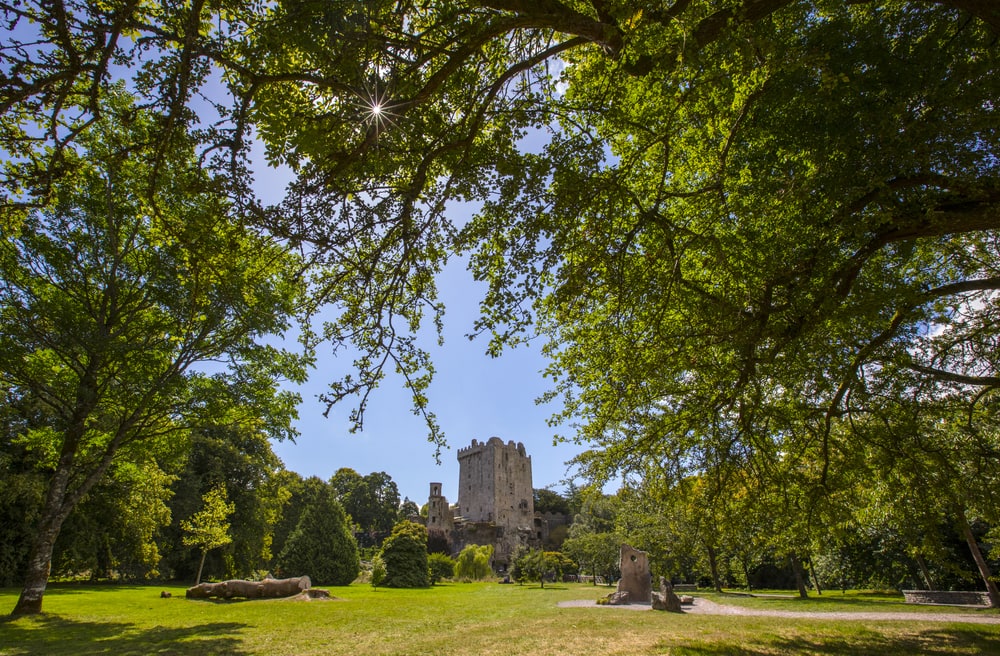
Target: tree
322,546
372,501
238,456
945,437
535,564
722,185
111,296
22,489
473,562
303,493
209,527
739,217
547,501
378,571
596,553
117,531
405,556
594,540
408,508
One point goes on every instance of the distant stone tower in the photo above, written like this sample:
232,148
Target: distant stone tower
495,494
439,514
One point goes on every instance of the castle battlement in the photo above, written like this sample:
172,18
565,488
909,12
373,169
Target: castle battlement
495,442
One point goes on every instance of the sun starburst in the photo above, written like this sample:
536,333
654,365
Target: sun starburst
376,109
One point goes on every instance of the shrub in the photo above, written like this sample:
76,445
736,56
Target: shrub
405,555
440,566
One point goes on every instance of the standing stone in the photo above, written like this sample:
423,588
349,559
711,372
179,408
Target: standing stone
636,579
665,599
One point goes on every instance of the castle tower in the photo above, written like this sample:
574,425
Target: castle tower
438,513
494,487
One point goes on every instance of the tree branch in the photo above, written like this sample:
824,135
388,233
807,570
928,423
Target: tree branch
963,379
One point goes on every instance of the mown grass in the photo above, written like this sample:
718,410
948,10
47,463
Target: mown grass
459,619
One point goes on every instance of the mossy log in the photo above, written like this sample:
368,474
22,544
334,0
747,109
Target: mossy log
266,589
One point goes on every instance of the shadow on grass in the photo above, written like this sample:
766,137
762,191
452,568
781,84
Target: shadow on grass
48,634
930,642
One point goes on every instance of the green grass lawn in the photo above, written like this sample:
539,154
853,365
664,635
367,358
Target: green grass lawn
462,619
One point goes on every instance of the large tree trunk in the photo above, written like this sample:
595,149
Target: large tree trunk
800,579
39,563
713,563
266,589
40,558
924,571
61,498
984,568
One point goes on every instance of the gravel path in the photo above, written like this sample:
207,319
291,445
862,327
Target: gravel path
706,607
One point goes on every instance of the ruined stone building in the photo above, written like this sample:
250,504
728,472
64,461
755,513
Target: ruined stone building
495,502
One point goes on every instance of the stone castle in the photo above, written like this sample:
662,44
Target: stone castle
495,502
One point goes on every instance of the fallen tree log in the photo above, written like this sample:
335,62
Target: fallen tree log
266,589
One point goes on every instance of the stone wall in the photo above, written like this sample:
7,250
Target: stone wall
946,597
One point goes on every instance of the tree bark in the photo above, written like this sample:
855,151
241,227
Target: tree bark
37,577
54,512
713,562
800,579
977,555
201,565
815,578
926,573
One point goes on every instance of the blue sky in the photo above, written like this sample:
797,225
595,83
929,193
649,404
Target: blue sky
473,395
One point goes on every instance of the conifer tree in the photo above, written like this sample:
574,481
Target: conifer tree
322,546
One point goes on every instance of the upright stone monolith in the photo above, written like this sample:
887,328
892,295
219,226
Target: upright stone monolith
636,579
